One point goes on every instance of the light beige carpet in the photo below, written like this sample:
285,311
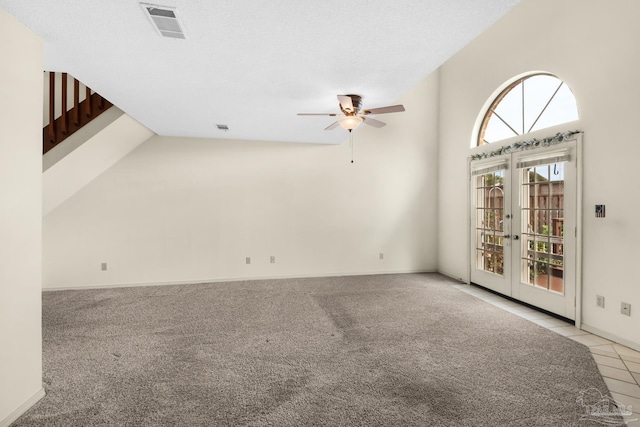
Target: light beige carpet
389,350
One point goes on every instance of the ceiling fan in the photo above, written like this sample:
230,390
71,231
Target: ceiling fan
351,105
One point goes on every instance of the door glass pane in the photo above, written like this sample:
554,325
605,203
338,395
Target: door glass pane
557,223
542,257
541,276
490,222
557,172
542,224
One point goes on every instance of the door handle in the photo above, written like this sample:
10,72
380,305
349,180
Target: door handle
516,237
507,236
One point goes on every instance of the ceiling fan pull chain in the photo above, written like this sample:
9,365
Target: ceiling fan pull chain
351,143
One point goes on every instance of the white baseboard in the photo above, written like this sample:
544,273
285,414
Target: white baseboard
22,408
453,277
234,279
611,337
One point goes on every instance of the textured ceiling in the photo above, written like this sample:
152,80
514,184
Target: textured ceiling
250,64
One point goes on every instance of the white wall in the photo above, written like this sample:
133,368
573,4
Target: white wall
593,46
20,218
87,153
185,210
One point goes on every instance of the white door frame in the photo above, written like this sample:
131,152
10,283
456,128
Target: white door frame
579,215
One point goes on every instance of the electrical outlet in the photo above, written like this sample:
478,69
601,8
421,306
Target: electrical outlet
103,266
248,260
273,259
625,308
381,255
599,301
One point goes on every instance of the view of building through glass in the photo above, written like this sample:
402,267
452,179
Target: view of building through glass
543,226
490,222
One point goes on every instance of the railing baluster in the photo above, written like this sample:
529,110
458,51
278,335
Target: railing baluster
74,116
52,106
64,123
76,102
87,103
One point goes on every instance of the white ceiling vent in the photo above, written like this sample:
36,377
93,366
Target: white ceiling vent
165,20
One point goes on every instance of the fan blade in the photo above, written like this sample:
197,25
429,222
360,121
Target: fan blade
318,114
346,102
373,122
383,110
332,126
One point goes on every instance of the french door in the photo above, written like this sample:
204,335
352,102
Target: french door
523,229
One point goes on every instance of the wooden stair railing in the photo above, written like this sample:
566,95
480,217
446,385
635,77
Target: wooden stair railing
73,118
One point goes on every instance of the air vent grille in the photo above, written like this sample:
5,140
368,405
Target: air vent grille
156,11
223,127
165,20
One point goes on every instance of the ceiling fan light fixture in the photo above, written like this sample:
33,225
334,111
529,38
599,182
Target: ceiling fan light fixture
350,122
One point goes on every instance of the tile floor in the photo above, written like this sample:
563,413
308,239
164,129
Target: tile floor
619,365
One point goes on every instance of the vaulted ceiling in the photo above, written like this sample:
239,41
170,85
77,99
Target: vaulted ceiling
252,65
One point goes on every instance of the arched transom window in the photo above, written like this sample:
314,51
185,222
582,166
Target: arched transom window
533,102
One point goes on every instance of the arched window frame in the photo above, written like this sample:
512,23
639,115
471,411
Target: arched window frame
489,111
